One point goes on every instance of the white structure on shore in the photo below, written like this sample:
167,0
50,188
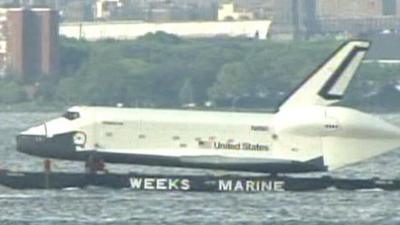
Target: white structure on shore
124,30
105,7
229,12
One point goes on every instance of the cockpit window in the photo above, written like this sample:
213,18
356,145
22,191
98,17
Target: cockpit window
71,115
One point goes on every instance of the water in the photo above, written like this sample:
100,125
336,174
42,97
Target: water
106,206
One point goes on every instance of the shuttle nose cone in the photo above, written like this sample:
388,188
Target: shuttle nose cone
59,146
36,131
30,144
31,141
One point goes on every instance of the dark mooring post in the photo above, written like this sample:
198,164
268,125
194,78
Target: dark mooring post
47,171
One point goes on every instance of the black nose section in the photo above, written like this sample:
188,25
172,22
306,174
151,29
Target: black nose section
59,146
30,144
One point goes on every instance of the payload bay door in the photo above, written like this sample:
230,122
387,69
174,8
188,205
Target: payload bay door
110,134
297,148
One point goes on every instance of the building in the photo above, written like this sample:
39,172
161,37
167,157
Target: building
293,18
155,10
304,18
228,11
123,30
358,16
3,42
75,10
105,8
49,40
357,8
19,61
261,9
32,42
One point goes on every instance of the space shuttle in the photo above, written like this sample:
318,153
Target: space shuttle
308,132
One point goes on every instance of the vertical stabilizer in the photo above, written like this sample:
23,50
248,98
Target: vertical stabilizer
328,83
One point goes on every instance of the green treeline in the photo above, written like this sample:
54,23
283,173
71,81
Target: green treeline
162,70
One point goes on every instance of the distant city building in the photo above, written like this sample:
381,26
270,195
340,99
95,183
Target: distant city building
106,8
304,18
74,10
227,11
32,42
49,40
131,30
3,58
261,9
3,42
145,10
357,8
358,16
291,18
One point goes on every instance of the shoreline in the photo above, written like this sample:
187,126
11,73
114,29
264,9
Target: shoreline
55,108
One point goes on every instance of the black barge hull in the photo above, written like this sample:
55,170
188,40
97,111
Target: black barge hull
194,183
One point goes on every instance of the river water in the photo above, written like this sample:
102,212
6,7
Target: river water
106,206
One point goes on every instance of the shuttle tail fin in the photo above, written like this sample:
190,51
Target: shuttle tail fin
328,83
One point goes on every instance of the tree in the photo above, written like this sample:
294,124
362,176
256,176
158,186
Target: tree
11,92
73,54
186,92
233,81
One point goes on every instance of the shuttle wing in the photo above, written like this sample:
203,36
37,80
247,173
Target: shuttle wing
328,83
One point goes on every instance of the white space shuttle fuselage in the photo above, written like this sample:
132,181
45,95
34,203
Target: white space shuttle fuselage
306,134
